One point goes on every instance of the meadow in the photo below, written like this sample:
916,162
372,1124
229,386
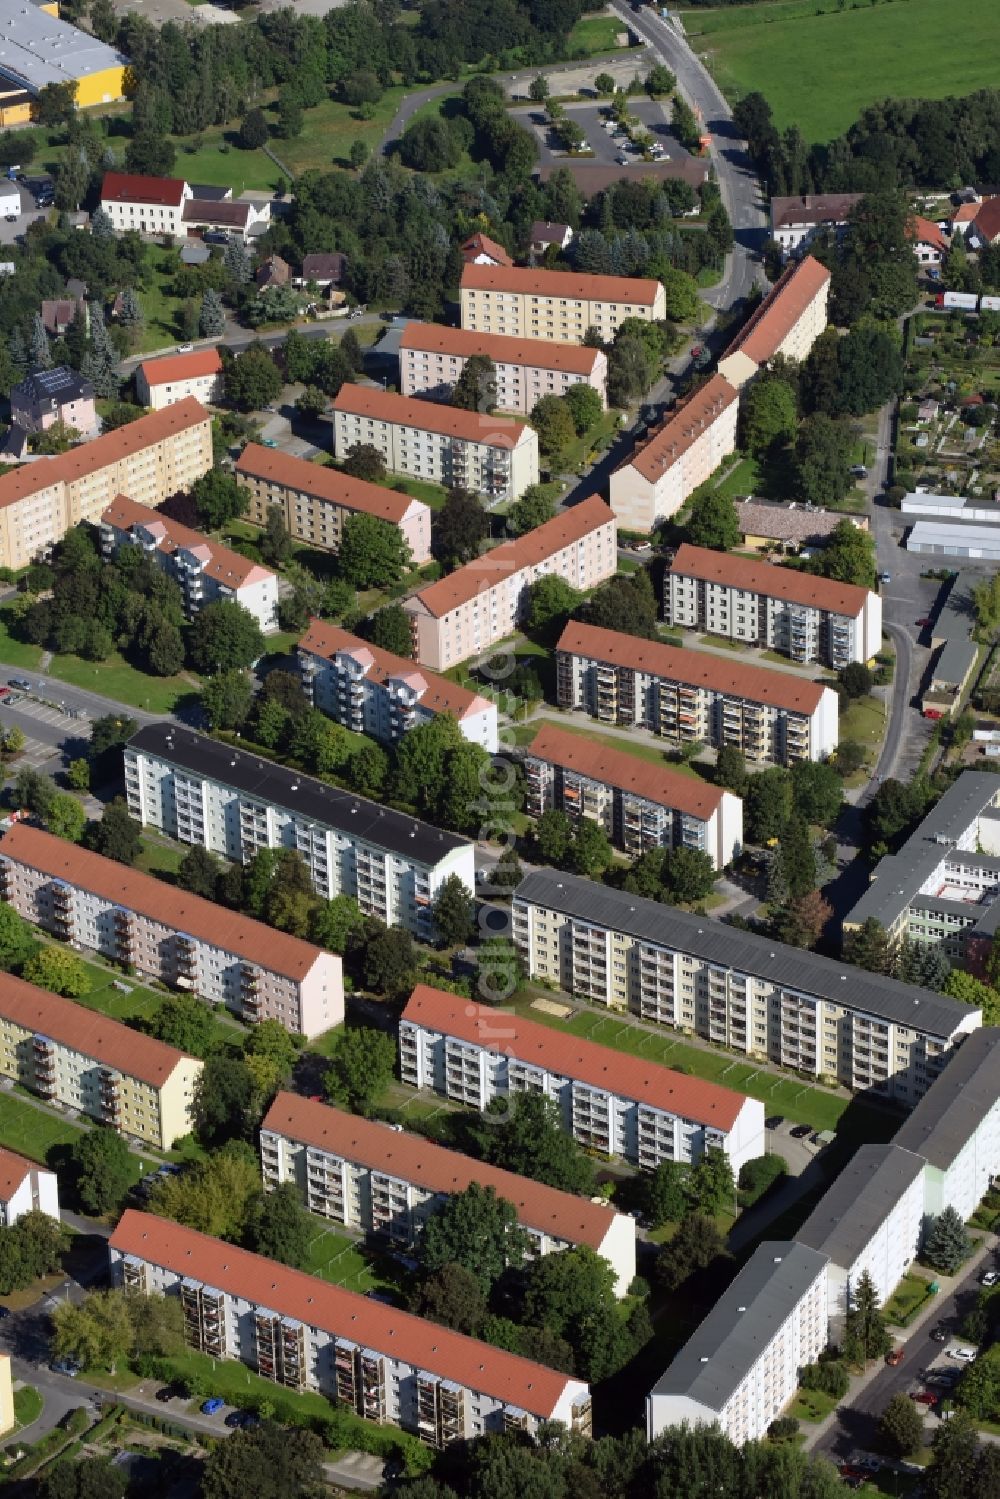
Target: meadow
819,63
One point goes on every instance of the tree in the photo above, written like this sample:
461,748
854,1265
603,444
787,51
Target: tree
55,104
823,449
551,601
253,132
584,405
951,1473
218,499
817,792
802,921
215,1196
224,636
926,967
389,962
552,836
969,990
524,1134
665,1193
856,679
476,387
59,971
225,1104
211,315
869,947
97,1333
948,1243
712,521
199,872
39,353
358,154
533,509
251,380
361,1067
226,699
710,1185
687,875
538,89
848,557
590,851
768,804
866,1336
335,923
477,1230
366,462
268,1461
901,1427
681,302
453,1297
768,417
458,528
389,629
104,1169
796,858
17,944
695,1246
452,912
626,604
66,817
731,770
107,736
373,553
553,421
566,1287
368,770
279,1228
184,1021
275,539
35,791
428,145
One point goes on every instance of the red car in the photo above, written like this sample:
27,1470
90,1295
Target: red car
848,1470
924,1397
924,624
696,351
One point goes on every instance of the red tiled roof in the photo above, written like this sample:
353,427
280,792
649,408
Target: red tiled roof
439,695
812,209
412,1158
616,767
13,1169
481,244
122,187
780,310
566,1055
275,467
987,220
314,1302
535,546
181,367
926,233
965,213
152,428
143,893
228,567
429,416
769,579
779,689
542,353
682,428
639,290
87,1031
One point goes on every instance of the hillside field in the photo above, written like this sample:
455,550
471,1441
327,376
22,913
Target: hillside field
819,66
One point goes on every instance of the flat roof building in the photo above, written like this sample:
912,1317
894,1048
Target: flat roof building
736,989
803,616
666,468
610,1102
560,306
938,538
374,1178
640,806
432,357
788,321
39,49
386,1365
768,526
201,791
692,697
169,934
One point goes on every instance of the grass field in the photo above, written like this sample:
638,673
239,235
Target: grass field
30,1130
524,733
864,722
743,479
159,858
595,34
911,1293
819,67
115,678
27,1405
811,1405
15,652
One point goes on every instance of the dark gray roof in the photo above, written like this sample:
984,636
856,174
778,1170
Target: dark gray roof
854,1207
807,972
721,1352
54,386
952,630
329,806
951,1111
209,194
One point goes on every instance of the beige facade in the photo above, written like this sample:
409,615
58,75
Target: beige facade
159,455
788,322
491,455
432,357
666,469
164,382
481,603
555,305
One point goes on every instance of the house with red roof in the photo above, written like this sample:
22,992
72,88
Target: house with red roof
163,382
151,205
25,1187
930,244
479,249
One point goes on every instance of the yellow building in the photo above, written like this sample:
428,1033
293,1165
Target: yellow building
7,1418
557,306
83,1060
39,49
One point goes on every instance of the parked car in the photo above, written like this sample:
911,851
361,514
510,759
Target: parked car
67,1366
939,1334
4,1313
800,1131
870,1464
924,1397
774,1122
963,1352
235,1418
895,1356
211,1405
989,1278
268,442
21,683
185,348
885,577
168,1392
924,624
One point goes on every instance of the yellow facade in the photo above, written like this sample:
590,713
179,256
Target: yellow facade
7,1418
101,88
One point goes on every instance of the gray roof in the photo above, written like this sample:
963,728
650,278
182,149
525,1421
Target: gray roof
721,1352
952,630
858,1202
329,806
38,49
795,523
951,1111
55,386
955,539
806,972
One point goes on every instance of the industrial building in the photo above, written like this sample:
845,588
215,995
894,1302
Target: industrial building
39,49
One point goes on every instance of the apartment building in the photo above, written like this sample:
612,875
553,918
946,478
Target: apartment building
168,934
736,989
482,603
432,357
788,321
164,382
740,1368
316,501
869,1220
759,603
611,1103
796,222
559,306
25,1187
374,692
81,1059
640,806
198,790
693,697
491,455
942,888
152,205
301,1332
666,469
956,1128
377,1180
205,571
156,456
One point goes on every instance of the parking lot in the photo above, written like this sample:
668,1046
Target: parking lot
606,148
30,211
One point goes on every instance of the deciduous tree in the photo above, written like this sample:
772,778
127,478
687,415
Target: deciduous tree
361,1067
712,521
58,970
477,1230
224,636
373,553
104,1169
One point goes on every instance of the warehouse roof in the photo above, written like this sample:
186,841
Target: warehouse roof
779,689
961,1098
724,1348
37,49
768,579
526,281
570,1056
682,428
347,1314
780,310
462,343
412,1158
955,539
614,767
276,785
429,416
858,1202
805,972
271,466
279,952
434,693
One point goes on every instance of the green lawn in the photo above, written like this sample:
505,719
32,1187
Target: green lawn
139,1004
15,652
811,1405
31,1131
115,678
577,453
524,733
158,304
337,1258
819,66
27,1405
743,479
595,34
864,721
909,1295
160,858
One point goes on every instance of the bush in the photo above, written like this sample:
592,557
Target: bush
828,1376
759,1174
783,1428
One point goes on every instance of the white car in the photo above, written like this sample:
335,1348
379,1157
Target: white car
989,1279
967,1355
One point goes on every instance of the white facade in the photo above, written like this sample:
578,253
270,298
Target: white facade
163,382
25,1187
605,1118
788,322
938,538
152,205
665,470
198,791
431,359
